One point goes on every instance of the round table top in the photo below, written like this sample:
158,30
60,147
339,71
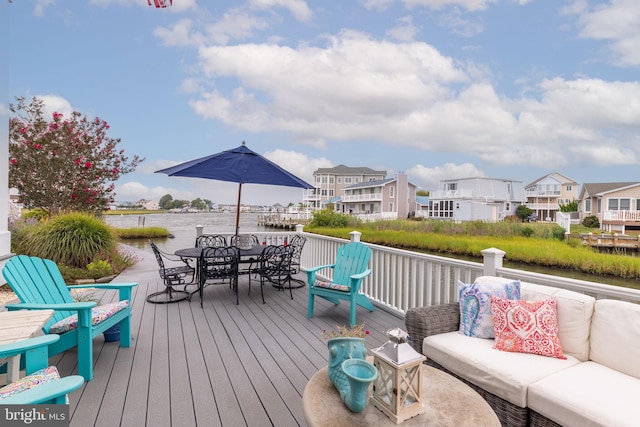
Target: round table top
448,402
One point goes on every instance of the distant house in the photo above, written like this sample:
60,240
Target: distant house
616,204
483,199
148,204
545,194
331,182
386,198
422,206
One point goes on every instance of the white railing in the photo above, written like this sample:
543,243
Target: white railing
451,194
404,279
361,197
622,215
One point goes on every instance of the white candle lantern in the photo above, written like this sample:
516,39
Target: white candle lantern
398,389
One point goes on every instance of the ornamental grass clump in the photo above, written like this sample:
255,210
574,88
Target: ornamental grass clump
356,331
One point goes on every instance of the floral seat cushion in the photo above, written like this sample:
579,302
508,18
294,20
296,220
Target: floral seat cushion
98,314
331,285
37,378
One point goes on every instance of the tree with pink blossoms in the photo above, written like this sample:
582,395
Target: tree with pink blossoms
63,164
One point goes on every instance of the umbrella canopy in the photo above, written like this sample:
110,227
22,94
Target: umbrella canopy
239,165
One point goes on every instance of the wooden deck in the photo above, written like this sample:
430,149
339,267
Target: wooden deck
221,365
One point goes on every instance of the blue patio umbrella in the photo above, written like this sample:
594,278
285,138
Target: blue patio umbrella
239,165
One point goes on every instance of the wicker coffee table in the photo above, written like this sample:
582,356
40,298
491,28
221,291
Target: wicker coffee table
448,402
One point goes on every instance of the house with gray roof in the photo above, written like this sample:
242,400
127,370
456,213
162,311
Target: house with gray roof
389,198
331,182
615,204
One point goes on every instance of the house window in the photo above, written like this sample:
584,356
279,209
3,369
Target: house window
638,204
568,188
330,180
347,180
339,180
587,205
391,193
324,179
356,180
625,204
318,179
452,186
331,192
391,207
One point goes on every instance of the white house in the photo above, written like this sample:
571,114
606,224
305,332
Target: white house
483,199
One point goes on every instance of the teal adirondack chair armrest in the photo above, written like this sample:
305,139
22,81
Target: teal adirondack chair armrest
33,350
36,357
311,272
123,288
356,279
54,392
83,309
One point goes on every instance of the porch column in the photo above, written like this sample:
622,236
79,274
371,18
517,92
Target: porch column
5,235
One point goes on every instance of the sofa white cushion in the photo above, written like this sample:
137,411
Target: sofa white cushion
574,313
586,395
615,336
504,374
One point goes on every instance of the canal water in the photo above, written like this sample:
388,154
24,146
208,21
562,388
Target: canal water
182,226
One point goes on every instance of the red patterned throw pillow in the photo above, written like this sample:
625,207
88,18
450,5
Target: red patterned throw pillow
526,326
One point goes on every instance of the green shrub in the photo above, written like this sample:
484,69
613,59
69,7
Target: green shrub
99,268
591,221
329,218
527,231
73,239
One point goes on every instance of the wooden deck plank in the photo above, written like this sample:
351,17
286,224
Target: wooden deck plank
220,365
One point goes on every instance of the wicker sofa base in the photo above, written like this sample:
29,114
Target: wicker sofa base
425,321
508,413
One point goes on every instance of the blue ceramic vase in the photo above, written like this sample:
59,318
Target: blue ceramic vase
360,375
341,349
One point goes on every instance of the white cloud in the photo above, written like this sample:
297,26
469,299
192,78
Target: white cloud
54,103
297,163
405,31
298,8
471,5
618,23
379,5
428,178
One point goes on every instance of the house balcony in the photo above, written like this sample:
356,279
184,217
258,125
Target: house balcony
377,197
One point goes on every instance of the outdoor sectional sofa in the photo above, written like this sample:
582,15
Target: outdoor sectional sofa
598,384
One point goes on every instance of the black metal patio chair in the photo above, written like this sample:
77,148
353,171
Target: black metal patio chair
274,266
219,265
172,276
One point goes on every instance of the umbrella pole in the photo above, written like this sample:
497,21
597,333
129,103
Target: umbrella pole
238,210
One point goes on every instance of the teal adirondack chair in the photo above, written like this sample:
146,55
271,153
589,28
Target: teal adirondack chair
39,285
42,383
349,269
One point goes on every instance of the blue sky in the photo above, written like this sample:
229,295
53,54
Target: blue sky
438,89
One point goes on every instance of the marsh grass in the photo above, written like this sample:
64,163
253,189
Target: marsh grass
141,232
541,248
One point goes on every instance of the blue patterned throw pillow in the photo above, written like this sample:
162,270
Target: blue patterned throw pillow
475,306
